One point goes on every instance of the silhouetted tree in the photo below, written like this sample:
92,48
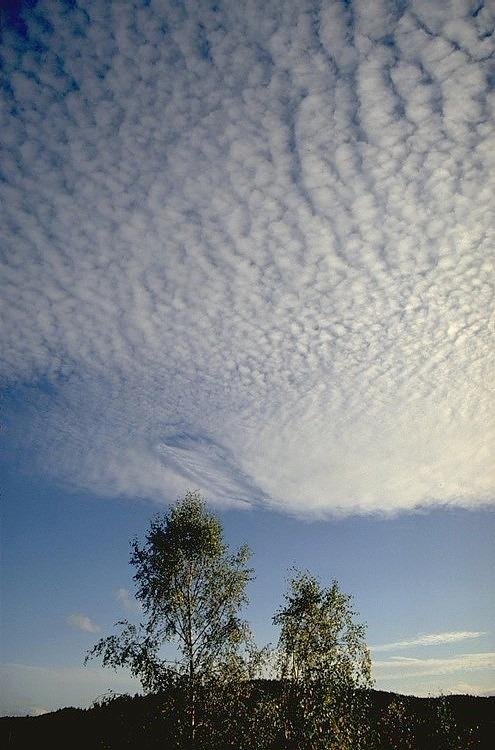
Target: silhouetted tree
191,589
324,666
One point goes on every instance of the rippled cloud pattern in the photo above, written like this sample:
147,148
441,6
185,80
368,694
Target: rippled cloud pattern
248,247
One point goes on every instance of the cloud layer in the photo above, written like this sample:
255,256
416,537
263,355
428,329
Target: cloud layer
433,639
249,249
400,667
464,673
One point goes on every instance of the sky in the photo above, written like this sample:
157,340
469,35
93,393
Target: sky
247,248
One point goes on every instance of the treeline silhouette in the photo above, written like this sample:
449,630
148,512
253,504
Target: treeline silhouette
215,695
395,722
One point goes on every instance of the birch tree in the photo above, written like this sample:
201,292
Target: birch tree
324,667
191,588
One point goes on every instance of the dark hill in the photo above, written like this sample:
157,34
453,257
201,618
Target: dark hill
138,722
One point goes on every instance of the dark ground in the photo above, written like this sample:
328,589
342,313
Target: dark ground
138,722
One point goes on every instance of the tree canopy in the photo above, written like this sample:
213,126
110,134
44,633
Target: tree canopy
191,589
324,665
319,637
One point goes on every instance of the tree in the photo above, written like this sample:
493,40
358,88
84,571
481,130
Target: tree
324,666
191,589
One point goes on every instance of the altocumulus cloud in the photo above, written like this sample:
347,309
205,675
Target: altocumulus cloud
248,249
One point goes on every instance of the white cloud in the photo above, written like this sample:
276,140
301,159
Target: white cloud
256,261
128,602
82,622
399,667
38,711
433,639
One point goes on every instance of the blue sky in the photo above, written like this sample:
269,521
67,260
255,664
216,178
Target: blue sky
249,249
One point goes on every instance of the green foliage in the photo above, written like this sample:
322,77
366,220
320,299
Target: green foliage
324,665
319,637
210,697
191,590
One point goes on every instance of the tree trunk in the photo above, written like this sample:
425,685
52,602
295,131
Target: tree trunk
190,648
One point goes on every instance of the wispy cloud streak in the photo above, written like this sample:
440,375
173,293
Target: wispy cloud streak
401,667
433,639
247,248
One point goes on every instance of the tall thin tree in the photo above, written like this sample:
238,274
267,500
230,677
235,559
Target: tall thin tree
191,589
324,667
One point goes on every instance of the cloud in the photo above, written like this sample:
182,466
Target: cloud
81,622
401,667
433,639
247,249
127,601
38,711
